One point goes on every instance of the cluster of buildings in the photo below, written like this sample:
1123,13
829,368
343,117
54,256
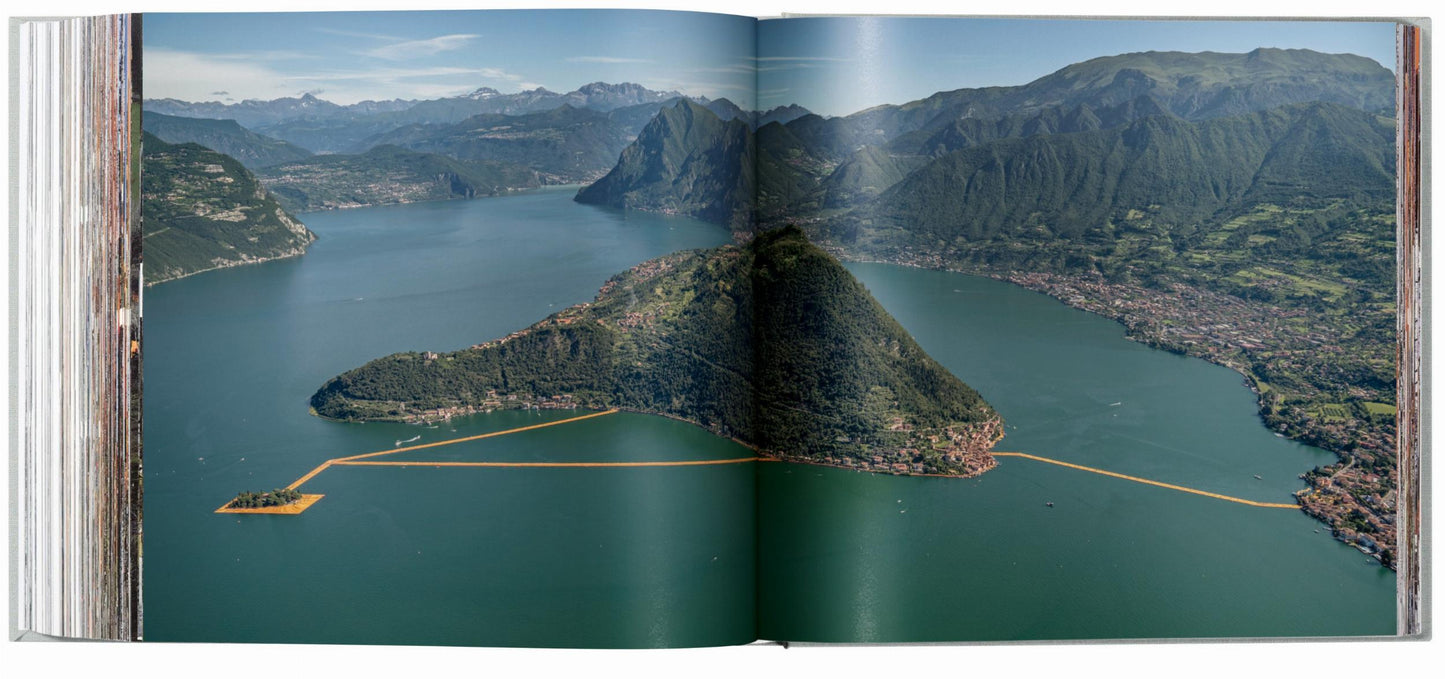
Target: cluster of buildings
495,401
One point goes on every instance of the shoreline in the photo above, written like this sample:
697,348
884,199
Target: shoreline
506,193
760,453
1129,334
231,265
1310,490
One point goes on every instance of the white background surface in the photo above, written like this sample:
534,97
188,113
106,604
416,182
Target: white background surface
1215,660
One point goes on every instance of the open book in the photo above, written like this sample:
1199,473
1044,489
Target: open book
633,329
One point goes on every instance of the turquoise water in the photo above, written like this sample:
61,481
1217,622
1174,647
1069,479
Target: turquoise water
861,557
670,556
525,557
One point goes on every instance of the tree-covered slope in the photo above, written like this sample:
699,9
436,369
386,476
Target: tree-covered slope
686,161
203,210
1184,174
223,136
774,344
865,174
1097,94
1194,86
386,175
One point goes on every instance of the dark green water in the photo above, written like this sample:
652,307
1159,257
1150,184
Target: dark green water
666,556
861,557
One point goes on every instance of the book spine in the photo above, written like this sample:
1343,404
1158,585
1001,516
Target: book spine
1410,328
76,456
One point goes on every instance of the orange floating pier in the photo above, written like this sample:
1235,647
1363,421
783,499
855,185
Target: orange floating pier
1160,484
361,460
553,465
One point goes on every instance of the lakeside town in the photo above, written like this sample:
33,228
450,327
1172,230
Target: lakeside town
1301,350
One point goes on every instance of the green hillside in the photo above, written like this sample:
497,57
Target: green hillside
1185,175
202,210
773,343
686,161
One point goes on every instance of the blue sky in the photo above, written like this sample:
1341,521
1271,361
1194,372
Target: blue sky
836,66
832,66
347,57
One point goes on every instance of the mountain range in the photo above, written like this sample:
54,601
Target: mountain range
1187,175
324,127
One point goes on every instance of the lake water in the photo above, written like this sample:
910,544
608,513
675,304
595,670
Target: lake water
670,556
851,555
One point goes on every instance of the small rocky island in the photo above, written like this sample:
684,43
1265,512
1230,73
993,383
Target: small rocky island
279,497
773,344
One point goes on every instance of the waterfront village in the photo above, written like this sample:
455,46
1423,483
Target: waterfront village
492,402
1354,496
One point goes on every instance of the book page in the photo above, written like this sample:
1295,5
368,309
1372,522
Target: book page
405,305
1156,264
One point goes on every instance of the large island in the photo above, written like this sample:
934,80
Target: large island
772,343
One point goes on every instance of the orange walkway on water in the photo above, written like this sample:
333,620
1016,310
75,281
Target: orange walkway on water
1160,484
340,460
361,461
681,463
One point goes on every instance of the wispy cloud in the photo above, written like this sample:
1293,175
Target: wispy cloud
193,77
359,34
788,67
416,49
261,55
745,69
711,89
774,64
606,60
834,59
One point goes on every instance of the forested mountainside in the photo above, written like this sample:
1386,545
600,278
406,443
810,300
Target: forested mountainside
686,161
203,210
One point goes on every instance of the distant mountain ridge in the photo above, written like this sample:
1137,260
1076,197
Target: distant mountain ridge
565,144
324,127
223,136
254,113
387,175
